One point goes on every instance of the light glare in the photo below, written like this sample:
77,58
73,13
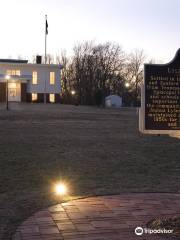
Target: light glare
60,189
127,84
73,92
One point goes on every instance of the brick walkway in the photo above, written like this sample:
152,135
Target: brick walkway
99,218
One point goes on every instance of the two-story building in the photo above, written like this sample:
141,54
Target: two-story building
21,81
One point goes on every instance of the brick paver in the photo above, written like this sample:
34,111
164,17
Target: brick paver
100,218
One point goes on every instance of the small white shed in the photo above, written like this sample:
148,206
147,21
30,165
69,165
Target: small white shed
113,101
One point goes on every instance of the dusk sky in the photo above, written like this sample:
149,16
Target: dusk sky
150,25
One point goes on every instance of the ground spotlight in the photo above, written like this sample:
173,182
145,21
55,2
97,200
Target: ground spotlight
60,188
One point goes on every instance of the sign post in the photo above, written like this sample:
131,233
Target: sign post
160,98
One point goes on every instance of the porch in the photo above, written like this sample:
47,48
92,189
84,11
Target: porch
14,88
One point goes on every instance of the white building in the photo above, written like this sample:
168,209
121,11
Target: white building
25,82
113,101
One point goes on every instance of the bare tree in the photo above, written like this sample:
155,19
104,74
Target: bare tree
134,72
50,59
97,69
67,76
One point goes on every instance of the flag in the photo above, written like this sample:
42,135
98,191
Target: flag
46,27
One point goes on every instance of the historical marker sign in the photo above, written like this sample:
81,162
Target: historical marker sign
161,97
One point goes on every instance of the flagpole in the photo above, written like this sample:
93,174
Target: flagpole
45,38
45,56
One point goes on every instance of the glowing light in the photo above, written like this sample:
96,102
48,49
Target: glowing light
127,84
73,92
7,77
12,85
60,189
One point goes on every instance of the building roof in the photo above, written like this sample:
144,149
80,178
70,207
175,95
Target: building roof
17,62
13,61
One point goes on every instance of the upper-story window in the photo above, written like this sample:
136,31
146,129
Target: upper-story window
13,72
52,78
34,77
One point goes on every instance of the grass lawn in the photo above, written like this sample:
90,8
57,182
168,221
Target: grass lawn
97,151
166,223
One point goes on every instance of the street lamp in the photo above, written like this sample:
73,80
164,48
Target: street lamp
73,92
127,85
73,97
7,90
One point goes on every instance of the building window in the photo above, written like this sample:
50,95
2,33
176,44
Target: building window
34,97
13,72
52,98
18,73
52,78
34,77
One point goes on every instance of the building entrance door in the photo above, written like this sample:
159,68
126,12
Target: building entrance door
14,92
